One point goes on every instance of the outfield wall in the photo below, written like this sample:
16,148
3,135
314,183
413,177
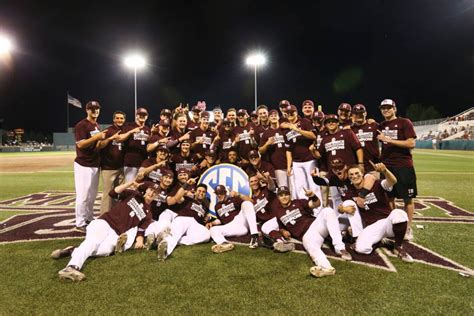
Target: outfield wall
457,144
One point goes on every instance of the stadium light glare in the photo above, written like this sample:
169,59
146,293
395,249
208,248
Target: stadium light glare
136,62
256,60
6,44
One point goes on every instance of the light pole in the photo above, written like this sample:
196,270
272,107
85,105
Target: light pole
255,60
135,62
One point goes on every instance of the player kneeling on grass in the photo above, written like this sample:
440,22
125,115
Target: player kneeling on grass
235,217
188,228
103,233
379,220
297,217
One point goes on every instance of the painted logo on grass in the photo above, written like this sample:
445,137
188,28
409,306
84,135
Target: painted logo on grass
228,175
51,216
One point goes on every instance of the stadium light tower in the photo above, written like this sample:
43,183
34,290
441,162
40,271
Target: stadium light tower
135,62
255,60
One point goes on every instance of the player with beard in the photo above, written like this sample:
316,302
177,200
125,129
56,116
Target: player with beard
235,217
367,134
296,216
275,149
380,220
254,118
184,159
179,133
202,137
133,210
307,107
188,227
263,122
224,140
298,132
283,106
160,138
344,113
234,159
244,135
262,168
206,163
136,135
398,139
232,116
152,168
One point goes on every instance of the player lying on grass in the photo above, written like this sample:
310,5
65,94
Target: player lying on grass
133,210
235,217
378,218
297,217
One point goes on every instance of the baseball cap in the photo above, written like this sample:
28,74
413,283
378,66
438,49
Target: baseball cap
217,109
167,172
212,124
242,112
183,170
272,112
291,108
149,185
220,189
196,109
337,164
331,117
359,108
387,102
283,189
163,148
204,114
186,141
284,103
318,115
165,112
254,154
344,107
92,105
210,152
142,111
254,114
164,122
308,102
226,122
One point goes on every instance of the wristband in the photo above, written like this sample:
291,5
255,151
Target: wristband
363,193
314,198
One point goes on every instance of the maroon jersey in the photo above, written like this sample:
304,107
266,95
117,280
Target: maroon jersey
276,153
131,211
262,204
296,217
376,204
259,130
341,145
344,123
246,140
399,129
228,209
332,180
175,145
367,136
154,138
224,144
178,161
192,125
206,136
111,156
86,157
193,208
155,175
135,146
299,145
264,167
160,203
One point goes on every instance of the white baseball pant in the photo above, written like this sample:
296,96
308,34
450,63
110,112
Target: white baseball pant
164,220
110,179
86,182
374,233
130,173
355,221
186,231
282,179
269,226
302,179
239,226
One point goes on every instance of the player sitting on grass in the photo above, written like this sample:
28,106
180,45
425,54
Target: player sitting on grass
379,219
133,210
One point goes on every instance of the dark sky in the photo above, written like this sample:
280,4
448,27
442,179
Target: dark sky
329,51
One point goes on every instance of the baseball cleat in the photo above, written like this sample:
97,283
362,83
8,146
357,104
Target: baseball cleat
388,243
345,255
403,255
150,242
69,273
408,234
81,229
253,243
162,250
320,272
163,234
220,248
280,246
120,245
60,253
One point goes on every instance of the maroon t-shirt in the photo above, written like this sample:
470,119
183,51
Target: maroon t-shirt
259,130
264,167
154,138
155,175
131,211
111,156
299,145
208,137
193,208
228,209
262,204
135,146
160,204
367,136
322,163
87,157
246,139
344,123
296,217
175,135
276,153
177,161
377,204
399,129
340,145
224,145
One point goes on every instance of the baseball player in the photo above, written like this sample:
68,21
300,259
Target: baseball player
184,159
188,227
283,106
133,210
224,140
86,165
257,166
254,118
152,169
217,112
308,109
202,137
296,216
194,122
235,217
244,135
344,113
263,122
379,218
161,138
398,139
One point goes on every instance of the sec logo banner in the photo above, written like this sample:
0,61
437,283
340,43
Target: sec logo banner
230,176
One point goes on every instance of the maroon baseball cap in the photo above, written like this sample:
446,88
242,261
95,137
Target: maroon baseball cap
337,164
220,189
92,105
163,148
284,103
359,108
291,109
254,154
165,112
254,114
331,117
387,102
205,114
242,112
283,189
318,115
149,185
308,102
196,109
164,123
213,123
186,141
167,172
273,112
183,170
344,107
142,111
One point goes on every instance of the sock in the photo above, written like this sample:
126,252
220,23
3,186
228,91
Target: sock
399,232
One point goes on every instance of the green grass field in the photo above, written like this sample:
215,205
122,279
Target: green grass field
195,281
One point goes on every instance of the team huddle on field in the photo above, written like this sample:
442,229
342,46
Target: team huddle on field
312,176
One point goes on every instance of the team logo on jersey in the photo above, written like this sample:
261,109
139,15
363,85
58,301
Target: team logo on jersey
230,176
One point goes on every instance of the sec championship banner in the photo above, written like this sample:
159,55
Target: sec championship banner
230,176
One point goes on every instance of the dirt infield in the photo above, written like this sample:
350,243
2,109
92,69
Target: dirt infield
34,163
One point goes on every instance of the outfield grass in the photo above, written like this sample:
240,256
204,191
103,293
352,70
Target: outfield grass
195,281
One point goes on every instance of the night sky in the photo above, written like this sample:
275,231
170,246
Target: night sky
329,51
